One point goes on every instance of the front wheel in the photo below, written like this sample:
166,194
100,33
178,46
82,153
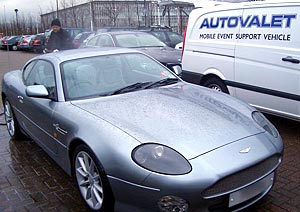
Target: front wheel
216,84
11,122
91,180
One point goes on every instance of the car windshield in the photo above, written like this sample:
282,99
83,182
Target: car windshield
112,74
138,40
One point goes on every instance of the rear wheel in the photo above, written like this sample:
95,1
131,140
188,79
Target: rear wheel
11,122
14,48
91,180
216,84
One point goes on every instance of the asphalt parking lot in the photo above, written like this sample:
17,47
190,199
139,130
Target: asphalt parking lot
31,181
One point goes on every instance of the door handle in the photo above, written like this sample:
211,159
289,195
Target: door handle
290,59
20,98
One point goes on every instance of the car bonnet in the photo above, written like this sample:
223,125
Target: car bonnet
163,54
190,119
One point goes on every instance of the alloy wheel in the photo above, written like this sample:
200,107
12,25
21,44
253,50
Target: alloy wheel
9,119
89,181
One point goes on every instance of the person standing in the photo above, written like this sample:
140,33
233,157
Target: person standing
59,39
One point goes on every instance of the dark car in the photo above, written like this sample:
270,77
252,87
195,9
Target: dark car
165,34
78,40
168,37
37,43
74,31
142,41
11,43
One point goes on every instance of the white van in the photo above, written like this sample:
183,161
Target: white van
249,50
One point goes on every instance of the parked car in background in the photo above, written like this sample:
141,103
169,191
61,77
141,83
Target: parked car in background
142,139
11,42
24,43
78,40
73,31
142,41
114,29
19,42
37,43
165,34
2,40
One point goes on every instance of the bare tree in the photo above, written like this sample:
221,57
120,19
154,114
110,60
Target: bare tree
112,11
74,15
64,4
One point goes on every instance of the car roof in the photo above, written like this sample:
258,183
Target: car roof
84,52
123,32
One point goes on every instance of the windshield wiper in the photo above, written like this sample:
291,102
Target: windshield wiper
132,87
166,81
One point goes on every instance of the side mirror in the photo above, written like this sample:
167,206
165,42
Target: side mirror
37,91
177,70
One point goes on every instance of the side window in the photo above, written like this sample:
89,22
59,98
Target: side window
174,37
27,70
42,74
92,41
105,41
160,35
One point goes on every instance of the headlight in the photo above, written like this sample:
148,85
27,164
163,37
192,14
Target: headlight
262,121
161,159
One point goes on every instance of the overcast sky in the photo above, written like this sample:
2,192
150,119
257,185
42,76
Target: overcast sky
27,7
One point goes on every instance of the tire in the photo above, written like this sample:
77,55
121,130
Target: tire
11,122
14,48
216,84
91,180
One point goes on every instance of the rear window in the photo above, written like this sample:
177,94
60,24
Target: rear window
137,40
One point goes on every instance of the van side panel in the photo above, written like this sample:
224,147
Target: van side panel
262,77
209,40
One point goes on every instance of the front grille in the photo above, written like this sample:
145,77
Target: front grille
242,178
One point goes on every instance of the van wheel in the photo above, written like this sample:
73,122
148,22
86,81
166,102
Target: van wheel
216,84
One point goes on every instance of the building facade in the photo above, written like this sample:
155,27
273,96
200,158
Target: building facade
97,14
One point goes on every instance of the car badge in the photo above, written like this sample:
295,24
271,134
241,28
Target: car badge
245,150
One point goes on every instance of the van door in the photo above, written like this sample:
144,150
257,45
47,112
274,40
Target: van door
210,45
267,68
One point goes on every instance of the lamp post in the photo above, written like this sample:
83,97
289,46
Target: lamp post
17,31
56,8
145,14
92,15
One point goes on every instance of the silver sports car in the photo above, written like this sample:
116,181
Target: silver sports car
138,138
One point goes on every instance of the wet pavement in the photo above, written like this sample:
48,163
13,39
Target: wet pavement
31,181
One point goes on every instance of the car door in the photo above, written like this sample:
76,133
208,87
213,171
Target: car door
267,57
38,111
